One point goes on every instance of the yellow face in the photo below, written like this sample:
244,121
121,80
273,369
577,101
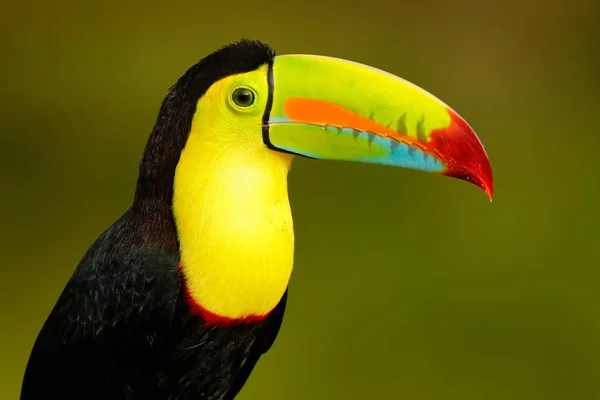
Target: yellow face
230,113
231,203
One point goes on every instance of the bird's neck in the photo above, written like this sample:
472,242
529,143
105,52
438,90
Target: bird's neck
235,229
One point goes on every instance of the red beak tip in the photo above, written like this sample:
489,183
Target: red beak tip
467,158
483,179
480,177
490,192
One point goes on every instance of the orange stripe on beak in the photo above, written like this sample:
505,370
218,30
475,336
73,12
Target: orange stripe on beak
319,112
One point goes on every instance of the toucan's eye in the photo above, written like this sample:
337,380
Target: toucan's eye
243,97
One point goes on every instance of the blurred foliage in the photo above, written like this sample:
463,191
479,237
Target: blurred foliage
406,285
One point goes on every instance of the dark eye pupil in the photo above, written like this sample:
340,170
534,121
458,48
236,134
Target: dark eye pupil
243,97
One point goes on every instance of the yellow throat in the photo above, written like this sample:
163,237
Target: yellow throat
232,212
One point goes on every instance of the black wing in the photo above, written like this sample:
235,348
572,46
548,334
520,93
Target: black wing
215,362
268,333
108,328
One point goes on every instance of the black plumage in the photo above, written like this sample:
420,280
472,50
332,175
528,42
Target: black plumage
122,328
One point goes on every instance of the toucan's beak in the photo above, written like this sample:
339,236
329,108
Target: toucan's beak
328,108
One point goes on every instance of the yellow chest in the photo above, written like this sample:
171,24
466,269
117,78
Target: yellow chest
235,230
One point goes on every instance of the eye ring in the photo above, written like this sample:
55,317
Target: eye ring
243,97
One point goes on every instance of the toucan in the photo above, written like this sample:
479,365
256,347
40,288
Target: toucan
180,297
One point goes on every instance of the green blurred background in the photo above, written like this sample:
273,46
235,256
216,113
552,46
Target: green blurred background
406,285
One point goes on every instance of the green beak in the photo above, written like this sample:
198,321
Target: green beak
328,108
